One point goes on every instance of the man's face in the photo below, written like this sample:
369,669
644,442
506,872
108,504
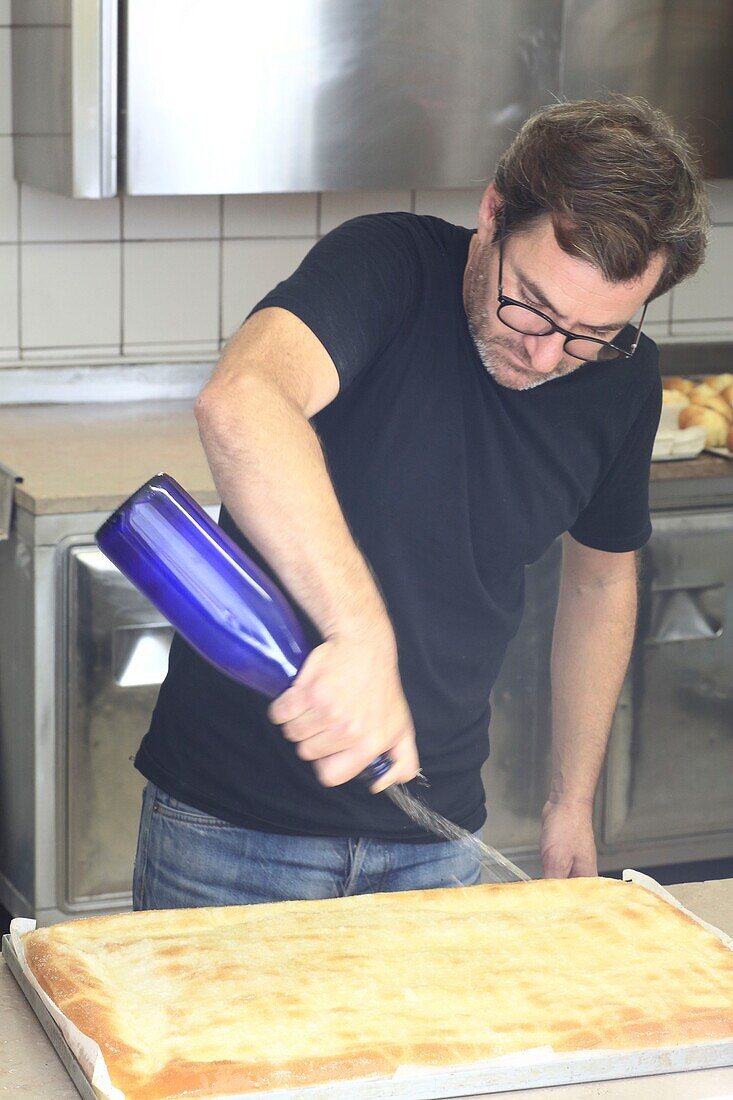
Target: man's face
538,272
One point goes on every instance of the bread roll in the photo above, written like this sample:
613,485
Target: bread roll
730,440
702,390
717,404
727,394
715,424
684,385
674,397
718,382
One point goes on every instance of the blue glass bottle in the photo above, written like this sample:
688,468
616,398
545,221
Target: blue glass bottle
214,595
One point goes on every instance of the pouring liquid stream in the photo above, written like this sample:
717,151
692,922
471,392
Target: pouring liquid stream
497,866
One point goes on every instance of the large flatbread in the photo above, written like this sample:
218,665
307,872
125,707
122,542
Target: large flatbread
206,1002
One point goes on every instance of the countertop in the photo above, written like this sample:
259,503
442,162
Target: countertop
89,457
31,1070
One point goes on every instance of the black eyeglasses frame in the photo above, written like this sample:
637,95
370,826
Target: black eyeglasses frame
504,300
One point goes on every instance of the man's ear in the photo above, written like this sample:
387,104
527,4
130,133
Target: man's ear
488,212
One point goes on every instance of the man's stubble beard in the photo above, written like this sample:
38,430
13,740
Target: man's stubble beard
502,368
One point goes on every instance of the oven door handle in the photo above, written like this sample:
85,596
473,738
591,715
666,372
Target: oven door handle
685,614
140,654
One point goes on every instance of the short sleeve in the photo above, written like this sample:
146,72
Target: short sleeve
617,516
353,290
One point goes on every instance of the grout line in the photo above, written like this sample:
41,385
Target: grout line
702,320
20,274
129,240
164,240
139,343
121,229
220,335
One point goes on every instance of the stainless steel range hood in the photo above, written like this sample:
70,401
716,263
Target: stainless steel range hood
163,97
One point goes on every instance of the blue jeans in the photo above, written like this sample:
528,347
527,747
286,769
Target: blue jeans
187,858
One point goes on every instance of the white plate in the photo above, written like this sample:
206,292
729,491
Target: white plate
722,451
678,444
675,458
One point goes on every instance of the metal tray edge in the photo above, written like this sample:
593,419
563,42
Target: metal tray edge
49,1025
575,1068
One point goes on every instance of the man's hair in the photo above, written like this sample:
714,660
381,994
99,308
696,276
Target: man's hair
619,182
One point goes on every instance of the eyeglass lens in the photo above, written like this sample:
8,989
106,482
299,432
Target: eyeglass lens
524,320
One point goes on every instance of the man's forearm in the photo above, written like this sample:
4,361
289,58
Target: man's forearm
592,641
269,469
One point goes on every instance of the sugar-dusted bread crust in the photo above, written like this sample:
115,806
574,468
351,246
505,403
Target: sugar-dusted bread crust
204,1002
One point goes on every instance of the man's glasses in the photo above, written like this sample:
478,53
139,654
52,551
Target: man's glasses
532,322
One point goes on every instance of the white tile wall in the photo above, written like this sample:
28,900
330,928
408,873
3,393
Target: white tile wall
138,277
250,269
175,217
8,193
8,299
270,215
45,216
70,296
707,296
171,295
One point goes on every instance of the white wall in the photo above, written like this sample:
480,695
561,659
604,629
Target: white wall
148,278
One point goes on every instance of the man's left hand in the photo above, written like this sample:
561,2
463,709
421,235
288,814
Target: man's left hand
567,844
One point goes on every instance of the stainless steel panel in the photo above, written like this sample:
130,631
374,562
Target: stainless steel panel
8,481
670,758
675,53
110,698
140,654
65,99
17,750
28,13
240,96
94,87
516,776
41,76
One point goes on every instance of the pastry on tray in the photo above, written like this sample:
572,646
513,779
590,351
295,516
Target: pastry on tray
215,1001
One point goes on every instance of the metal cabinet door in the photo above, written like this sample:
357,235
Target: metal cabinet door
670,764
229,96
116,655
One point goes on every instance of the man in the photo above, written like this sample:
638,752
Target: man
396,431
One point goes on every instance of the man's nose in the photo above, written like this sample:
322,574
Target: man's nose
545,352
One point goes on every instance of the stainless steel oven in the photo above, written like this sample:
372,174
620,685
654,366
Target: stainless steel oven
115,655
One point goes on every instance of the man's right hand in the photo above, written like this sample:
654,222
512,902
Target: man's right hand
345,707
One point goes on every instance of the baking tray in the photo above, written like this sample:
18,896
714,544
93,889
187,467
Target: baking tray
49,1025
523,1070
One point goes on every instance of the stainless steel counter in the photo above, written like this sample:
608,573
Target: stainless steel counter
31,1070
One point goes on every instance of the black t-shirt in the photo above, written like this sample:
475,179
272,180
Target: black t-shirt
451,484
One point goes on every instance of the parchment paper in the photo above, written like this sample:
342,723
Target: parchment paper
85,1049
536,1063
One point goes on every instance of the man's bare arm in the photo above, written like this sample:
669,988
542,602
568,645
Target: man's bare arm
592,641
346,705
